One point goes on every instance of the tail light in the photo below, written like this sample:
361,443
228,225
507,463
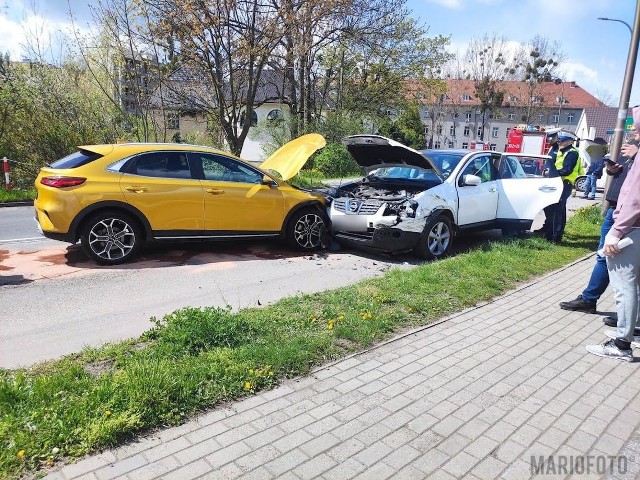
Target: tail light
61,182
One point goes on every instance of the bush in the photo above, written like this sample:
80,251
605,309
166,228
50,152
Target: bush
334,161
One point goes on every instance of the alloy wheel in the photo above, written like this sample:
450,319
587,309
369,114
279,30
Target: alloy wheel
112,239
308,230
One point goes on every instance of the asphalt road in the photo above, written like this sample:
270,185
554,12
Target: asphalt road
54,301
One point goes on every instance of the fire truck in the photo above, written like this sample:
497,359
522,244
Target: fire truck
529,139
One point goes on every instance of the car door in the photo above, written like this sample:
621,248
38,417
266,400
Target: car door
478,204
523,195
161,185
235,197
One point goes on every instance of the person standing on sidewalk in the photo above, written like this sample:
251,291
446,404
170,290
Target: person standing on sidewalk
568,167
599,280
594,172
623,265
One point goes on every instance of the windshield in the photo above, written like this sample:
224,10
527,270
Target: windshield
403,173
445,160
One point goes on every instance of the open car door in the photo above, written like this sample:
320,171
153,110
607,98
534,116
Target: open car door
522,195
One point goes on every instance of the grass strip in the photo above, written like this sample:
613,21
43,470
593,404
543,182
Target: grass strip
193,359
15,195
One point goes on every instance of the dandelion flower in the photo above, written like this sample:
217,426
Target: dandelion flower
21,453
107,413
247,385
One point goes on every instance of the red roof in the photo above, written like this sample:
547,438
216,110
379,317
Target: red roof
517,93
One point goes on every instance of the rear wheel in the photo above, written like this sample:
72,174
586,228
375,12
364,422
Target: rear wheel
111,237
580,181
306,229
436,239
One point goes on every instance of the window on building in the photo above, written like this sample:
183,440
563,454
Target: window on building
173,121
466,97
561,100
468,116
426,130
570,118
480,131
492,146
450,143
254,118
512,116
541,117
439,130
466,131
494,132
452,130
465,145
275,115
438,144
555,118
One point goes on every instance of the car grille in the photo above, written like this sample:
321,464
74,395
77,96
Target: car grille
357,207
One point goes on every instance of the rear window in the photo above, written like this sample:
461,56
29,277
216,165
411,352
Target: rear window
76,159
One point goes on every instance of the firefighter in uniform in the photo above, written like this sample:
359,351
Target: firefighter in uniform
567,163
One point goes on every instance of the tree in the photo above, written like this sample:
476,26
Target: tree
537,62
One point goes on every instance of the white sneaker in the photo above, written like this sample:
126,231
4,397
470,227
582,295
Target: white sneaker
613,334
609,349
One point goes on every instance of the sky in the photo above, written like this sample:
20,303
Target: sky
596,51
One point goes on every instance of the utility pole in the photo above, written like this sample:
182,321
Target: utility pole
623,108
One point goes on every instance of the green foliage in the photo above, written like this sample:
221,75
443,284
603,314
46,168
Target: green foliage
334,161
407,129
45,112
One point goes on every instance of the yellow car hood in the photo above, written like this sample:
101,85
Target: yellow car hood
291,157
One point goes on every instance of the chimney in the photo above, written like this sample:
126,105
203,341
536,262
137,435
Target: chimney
573,84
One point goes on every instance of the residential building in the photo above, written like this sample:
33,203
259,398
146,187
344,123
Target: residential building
455,119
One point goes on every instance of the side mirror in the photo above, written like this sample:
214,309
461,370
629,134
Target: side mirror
471,180
268,181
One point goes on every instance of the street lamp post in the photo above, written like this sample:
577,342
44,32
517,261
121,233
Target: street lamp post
559,81
623,106
616,20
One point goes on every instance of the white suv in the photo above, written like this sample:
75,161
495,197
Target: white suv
417,201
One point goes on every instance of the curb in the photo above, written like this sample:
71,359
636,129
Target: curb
17,203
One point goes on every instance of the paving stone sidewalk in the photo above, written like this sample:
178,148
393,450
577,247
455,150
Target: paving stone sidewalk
475,396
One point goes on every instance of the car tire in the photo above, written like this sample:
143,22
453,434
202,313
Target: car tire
579,185
111,237
306,230
436,239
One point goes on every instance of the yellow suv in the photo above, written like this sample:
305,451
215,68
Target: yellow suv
113,198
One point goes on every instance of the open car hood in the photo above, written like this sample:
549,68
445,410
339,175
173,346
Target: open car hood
373,151
291,157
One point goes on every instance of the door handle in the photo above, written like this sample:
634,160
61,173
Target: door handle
547,188
214,191
136,189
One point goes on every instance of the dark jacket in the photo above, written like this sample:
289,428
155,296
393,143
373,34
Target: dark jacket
595,168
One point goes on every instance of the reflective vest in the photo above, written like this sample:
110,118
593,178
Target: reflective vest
576,170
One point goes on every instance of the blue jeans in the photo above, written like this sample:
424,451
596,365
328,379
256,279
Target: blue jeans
624,271
558,212
590,186
599,275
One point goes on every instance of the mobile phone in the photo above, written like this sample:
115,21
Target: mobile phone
609,161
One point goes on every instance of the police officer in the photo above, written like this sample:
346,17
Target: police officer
567,164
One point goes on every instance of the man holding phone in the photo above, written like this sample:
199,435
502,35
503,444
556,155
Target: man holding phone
599,280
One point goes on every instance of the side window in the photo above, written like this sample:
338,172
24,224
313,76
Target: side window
521,167
480,166
225,169
161,164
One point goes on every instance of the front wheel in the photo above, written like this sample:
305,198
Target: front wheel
111,238
580,181
436,239
306,229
